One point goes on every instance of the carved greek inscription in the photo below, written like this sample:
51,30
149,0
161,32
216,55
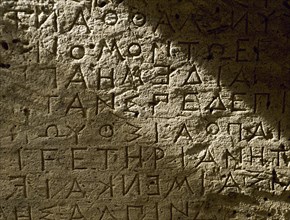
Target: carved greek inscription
127,109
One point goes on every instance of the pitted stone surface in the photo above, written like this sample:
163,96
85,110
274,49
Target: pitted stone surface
144,109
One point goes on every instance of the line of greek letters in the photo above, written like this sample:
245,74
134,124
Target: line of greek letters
146,184
188,209
242,54
49,158
164,22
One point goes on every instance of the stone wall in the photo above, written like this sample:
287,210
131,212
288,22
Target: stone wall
144,109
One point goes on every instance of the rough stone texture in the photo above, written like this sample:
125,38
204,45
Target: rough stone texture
144,109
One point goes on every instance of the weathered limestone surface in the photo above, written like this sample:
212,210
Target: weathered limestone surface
144,109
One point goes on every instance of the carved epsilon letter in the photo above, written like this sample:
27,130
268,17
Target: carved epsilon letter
22,213
162,77
22,184
153,185
240,49
157,98
234,106
74,158
282,150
